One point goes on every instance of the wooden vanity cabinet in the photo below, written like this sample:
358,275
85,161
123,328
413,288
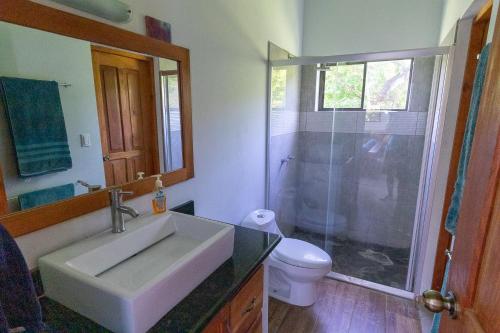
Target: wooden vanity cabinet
243,313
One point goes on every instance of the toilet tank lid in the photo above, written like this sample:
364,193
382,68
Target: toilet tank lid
260,217
302,254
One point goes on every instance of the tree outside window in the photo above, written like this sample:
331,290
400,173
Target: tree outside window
375,85
278,88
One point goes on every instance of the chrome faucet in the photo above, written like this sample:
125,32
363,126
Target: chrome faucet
118,209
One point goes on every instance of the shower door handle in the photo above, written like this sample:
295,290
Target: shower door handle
435,302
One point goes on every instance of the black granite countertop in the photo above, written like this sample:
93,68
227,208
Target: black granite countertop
194,312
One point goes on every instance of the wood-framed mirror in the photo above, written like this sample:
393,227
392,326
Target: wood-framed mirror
85,106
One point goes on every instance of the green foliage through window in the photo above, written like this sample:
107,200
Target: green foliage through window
377,85
344,86
387,84
278,88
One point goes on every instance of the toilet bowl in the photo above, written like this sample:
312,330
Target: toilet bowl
295,266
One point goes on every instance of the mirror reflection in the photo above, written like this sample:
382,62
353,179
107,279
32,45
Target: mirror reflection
76,117
169,83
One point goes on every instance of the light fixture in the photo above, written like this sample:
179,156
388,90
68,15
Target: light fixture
112,10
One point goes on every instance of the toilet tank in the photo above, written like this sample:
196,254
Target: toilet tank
263,220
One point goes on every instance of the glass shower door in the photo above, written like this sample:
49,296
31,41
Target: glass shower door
375,177
347,164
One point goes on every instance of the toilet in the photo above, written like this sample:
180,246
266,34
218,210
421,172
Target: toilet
295,266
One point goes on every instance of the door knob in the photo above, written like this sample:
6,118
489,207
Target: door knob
435,302
106,158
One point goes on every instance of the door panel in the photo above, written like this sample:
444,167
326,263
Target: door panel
125,96
477,41
475,269
134,103
488,296
112,110
116,171
126,134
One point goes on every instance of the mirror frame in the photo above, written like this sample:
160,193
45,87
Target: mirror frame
32,15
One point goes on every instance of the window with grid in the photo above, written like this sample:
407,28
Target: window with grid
371,85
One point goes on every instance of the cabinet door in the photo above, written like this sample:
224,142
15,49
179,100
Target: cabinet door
246,307
256,326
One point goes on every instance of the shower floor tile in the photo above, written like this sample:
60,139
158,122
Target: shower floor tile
371,262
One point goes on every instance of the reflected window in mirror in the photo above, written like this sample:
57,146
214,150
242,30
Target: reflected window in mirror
171,115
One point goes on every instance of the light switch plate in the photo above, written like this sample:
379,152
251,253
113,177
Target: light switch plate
85,140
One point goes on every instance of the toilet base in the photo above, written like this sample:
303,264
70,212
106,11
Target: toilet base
294,285
301,294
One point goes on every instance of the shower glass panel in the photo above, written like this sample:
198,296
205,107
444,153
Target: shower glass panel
284,145
347,145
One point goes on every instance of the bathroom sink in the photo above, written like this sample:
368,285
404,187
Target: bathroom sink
127,282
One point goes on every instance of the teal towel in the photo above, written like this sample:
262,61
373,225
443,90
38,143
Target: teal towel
36,121
437,316
46,196
477,89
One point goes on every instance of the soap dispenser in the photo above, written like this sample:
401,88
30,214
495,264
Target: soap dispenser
159,200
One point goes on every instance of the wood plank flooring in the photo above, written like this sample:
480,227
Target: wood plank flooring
346,308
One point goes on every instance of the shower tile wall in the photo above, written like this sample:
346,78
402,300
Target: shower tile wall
373,180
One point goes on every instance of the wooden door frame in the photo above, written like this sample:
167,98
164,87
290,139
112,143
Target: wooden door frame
479,31
149,124
480,191
4,205
33,15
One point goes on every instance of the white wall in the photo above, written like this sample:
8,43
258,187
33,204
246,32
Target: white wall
33,54
493,19
452,11
358,26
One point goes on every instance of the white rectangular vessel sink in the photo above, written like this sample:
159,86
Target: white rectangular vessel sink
127,282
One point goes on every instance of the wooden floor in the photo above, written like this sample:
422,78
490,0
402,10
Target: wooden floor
343,307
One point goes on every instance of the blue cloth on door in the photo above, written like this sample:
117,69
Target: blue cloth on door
19,306
477,89
46,196
36,122
437,316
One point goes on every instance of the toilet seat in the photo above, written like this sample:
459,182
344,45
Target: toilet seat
302,254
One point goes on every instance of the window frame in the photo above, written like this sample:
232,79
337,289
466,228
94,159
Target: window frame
321,86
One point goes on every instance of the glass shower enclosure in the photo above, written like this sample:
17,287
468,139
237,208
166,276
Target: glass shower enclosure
349,140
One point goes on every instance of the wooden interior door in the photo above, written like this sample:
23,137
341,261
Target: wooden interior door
475,268
124,85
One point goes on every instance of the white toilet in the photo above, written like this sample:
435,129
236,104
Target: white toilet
295,266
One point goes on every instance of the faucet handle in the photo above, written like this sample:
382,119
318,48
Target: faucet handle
116,194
